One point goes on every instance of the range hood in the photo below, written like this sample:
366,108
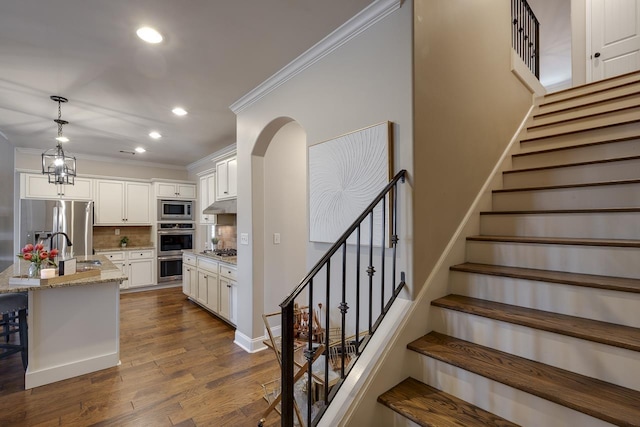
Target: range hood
221,207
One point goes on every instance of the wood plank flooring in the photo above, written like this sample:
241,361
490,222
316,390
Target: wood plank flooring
179,368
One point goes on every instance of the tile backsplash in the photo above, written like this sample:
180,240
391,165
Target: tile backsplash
227,235
105,237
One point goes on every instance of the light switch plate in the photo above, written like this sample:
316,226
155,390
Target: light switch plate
244,238
276,238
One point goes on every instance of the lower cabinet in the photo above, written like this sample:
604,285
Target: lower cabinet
211,284
138,265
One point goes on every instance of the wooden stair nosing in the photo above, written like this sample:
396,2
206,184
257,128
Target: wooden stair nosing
573,132
621,284
589,104
585,117
573,147
572,165
621,76
430,407
602,400
568,241
579,185
563,211
606,333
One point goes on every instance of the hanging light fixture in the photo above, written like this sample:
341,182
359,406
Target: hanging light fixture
59,168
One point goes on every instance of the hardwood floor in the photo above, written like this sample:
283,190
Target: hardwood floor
179,368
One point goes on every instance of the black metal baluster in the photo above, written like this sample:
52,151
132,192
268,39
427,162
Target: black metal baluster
326,350
308,354
287,365
358,291
343,308
383,242
394,236
371,271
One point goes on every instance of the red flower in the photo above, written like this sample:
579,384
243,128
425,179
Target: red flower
27,256
39,246
27,248
43,255
53,253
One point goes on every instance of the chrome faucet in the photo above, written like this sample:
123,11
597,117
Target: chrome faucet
55,234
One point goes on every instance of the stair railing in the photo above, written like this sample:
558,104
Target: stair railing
319,385
525,35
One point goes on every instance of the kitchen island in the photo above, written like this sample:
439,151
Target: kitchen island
74,325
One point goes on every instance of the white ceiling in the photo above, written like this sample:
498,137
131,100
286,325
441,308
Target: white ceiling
120,88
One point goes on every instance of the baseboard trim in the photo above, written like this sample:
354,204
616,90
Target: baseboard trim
250,345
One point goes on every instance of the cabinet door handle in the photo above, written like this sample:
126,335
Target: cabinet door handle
228,286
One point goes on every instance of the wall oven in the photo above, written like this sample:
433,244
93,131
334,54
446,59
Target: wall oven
175,210
173,238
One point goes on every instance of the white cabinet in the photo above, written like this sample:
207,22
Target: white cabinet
37,186
138,265
208,283
122,202
228,293
189,276
207,197
173,190
227,179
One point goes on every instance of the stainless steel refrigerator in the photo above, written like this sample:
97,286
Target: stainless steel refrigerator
40,219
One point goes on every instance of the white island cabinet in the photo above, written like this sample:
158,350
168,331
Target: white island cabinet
74,325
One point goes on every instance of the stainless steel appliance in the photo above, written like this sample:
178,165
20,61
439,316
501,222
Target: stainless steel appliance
173,238
40,219
175,210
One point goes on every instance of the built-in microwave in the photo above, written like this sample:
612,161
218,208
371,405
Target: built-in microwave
175,210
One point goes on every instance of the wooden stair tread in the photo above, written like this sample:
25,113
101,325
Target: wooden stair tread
583,118
558,187
558,241
595,83
430,407
572,165
585,280
578,327
606,401
573,132
630,95
564,211
577,146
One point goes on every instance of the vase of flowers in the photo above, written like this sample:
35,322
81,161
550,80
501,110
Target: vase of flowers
37,256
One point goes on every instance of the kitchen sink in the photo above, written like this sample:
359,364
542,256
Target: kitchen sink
88,262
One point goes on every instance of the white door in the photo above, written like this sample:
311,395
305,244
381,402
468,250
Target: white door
615,37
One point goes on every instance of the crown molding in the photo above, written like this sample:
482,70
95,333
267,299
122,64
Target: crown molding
103,159
227,151
369,16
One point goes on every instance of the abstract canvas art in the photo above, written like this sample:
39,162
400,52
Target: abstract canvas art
345,175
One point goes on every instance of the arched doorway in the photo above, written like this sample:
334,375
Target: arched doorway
279,200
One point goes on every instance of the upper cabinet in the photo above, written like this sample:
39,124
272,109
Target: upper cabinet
173,190
207,197
37,186
227,176
122,203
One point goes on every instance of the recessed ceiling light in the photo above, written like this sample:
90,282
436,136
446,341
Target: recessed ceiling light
62,139
149,35
140,150
155,135
179,111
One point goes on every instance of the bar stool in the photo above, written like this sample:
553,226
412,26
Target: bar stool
10,304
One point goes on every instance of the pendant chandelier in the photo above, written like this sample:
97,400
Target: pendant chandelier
59,168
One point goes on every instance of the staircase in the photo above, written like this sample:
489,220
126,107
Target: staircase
542,326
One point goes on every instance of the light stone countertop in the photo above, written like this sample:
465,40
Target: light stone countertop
126,248
232,260
108,273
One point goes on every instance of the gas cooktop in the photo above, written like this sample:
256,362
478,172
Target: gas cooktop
225,252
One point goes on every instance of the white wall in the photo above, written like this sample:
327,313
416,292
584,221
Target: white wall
285,207
7,257
363,82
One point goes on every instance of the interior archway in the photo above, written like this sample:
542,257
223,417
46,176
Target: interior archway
279,200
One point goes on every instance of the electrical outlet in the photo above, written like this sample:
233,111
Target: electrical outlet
117,231
244,238
276,238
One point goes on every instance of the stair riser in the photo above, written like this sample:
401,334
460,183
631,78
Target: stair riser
584,123
607,363
584,174
599,260
584,90
631,130
617,225
583,111
585,101
400,421
579,154
592,303
512,404
592,197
